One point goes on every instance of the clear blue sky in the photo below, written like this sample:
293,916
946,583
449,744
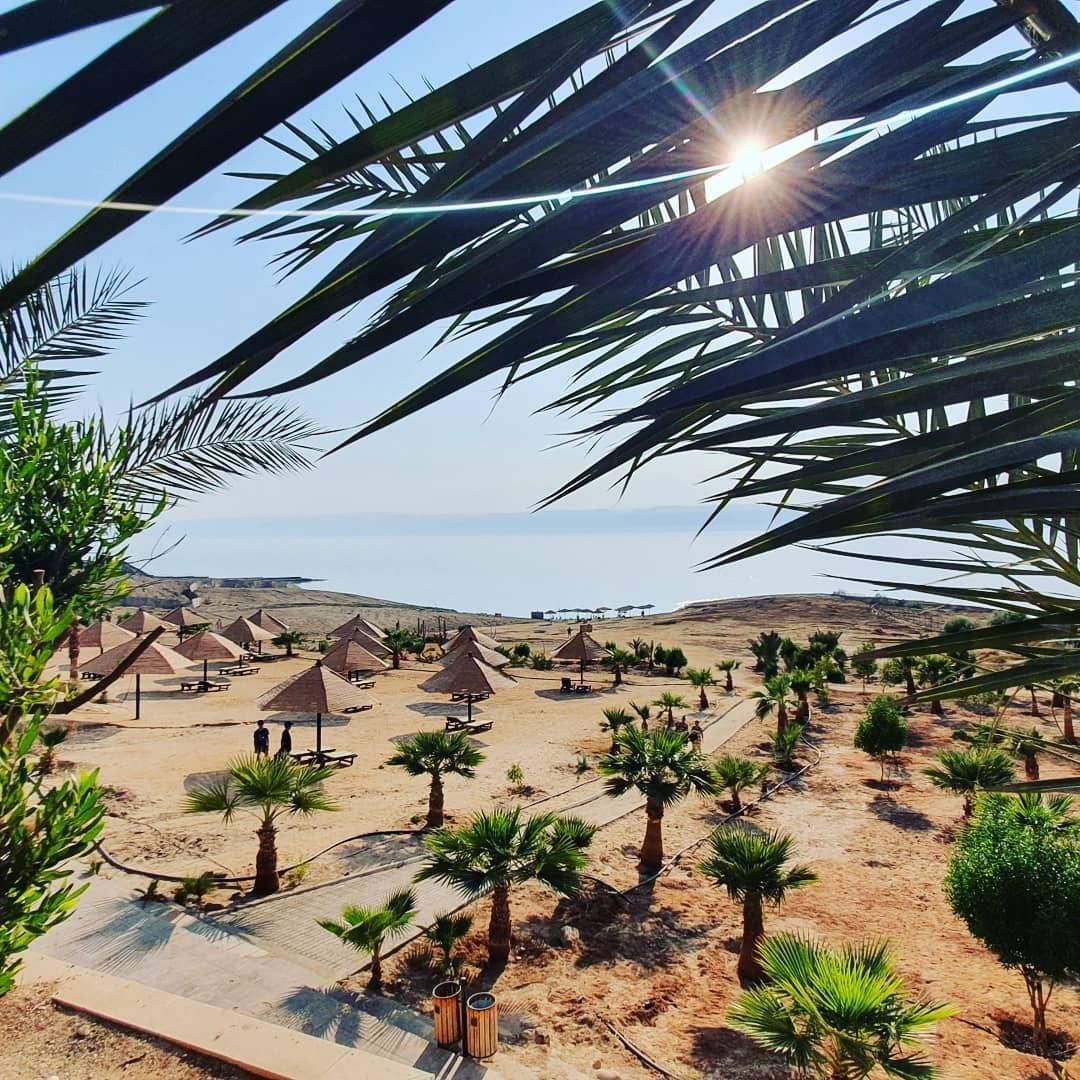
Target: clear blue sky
209,294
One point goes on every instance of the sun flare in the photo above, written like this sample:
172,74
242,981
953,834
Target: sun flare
749,158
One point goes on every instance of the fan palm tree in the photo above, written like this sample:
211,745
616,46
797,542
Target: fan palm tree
664,768
644,713
637,647
802,682
1036,810
615,719
620,661
964,772
701,678
1066,688
836,1013
498,849
727,667
445,933
366,929
400,642
670,702
437,754
755,869
269,787
288,640
735,774
1027,745
775,695
934,670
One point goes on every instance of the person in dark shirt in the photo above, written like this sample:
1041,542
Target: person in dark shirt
262,739
286,740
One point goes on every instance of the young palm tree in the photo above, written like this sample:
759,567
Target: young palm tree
775,695
288,640
670,702
366,929
269,787
1027,745
445,933
615,719
802,682
637,647
664,768
934,670
1063,691
836,1013
498,849
785,743
1035,810
965,771
400,642
644,714
437,754
736,774
701,678
753,867
620,661
727,667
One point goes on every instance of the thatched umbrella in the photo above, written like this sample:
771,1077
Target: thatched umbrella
316,690
376,648
468,675
349,655
142,622
207,646
105,635
482,652
269,622
184,619
469,636
244,632
156,659
357,623
374,629
582,649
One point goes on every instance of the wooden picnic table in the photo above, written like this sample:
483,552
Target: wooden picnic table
456,723
326,756
200,686
241,669
361,684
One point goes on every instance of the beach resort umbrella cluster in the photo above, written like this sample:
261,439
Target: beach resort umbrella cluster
470,676
316,690
156,659
581,649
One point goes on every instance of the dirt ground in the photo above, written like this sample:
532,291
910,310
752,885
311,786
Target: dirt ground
44,1042
660,963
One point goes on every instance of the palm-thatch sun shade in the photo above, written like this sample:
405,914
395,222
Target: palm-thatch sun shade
376,648
185,616
470,676
581,649
350,656
244,632
358,623
156,659
482,652
142,622
469,636
105,635
207,646
316,690
263,618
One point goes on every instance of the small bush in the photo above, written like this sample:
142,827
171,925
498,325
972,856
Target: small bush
515,775
582,766
958,624
882,731
541,661
324,645
297,874
785,743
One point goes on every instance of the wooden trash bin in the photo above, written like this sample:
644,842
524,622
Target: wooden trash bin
481,1025
446,998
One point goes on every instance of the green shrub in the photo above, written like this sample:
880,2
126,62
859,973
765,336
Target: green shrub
882,731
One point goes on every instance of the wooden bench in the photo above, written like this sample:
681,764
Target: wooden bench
200,687
357,708
240,670
89,675
324,757
455,723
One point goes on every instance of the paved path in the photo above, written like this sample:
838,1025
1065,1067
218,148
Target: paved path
288,923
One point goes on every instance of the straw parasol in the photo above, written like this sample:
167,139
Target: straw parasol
156,659
469,636
244,632
142,622
207,646
358,624
376,648
489,656
582,649
184,619
316,690
349,655
105,635
263,618
470,676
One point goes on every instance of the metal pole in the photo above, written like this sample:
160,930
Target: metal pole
138,688
318,735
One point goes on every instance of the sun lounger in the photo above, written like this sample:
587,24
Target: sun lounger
456,723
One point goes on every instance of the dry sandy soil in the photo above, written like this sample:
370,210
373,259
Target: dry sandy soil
660,963
43,1041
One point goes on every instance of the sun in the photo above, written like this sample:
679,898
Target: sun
749,158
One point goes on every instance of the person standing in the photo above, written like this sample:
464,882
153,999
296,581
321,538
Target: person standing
696,735
286,740
262,739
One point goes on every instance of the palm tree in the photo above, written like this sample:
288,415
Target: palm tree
785,743
664,768
766,650
964,772
498,849
437,754
670,702
620,660
366,928
269,787
1036,810
445,933
754,868
1065,688
735,774
644,714
400,642
637,647
775,695
700,678
802,682
288,640
1027,745
727,667
934,670
836,1013
615,719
